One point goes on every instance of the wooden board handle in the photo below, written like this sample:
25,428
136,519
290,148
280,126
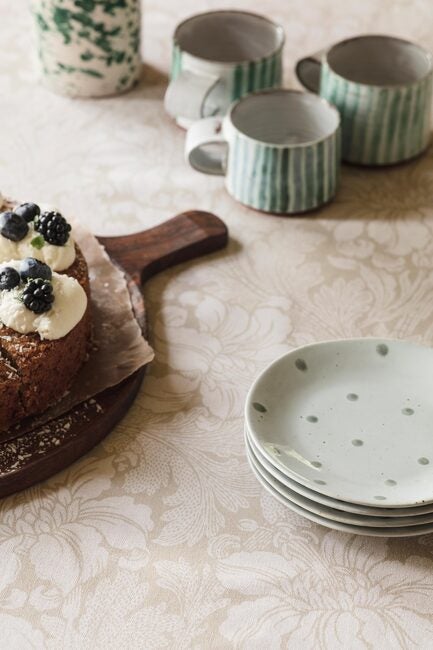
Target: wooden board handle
177,240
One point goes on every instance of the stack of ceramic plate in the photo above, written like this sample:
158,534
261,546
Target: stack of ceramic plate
342,433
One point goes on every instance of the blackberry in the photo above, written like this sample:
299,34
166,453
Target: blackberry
38,295
54,228
29,211
31,268
12,226
9,278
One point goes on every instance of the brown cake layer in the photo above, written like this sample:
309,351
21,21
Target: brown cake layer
44,369
10,386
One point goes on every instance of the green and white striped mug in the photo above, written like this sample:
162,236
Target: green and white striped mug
382,87
278,149
218,57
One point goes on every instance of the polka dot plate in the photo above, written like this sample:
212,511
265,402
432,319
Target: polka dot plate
350,419
290,487
342,516
358,529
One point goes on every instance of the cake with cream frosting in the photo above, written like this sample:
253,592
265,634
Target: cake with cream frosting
44,310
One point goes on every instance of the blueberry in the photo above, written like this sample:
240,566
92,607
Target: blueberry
28,211
31,268
9,278
12,226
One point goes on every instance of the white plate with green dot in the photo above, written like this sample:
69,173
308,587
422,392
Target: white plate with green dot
351,419
324,500
402,531
329,512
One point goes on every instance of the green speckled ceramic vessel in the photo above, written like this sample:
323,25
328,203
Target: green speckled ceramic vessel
88,48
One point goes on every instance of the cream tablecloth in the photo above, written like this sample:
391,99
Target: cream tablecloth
161,537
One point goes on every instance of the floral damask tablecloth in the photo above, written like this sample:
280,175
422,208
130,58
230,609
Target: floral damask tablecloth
161,537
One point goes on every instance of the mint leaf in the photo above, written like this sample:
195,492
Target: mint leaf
37,242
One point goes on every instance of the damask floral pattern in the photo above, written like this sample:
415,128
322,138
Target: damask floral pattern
161,537
297,600
47,529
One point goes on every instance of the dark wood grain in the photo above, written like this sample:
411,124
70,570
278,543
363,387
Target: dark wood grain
180,239
36,455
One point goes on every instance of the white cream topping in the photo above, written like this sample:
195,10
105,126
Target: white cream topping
58,258
69,306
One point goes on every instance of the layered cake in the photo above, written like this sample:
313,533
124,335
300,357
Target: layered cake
44,310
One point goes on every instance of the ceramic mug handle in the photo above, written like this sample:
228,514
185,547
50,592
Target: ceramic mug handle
308,71
186,95
202,135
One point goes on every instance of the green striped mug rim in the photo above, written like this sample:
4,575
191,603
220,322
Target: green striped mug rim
219,12
428,55
286,91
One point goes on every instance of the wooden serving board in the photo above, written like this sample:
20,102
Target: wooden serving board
34,456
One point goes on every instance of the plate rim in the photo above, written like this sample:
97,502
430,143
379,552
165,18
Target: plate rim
349,529
377,511
340,513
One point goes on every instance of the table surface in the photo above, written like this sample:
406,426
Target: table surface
161,537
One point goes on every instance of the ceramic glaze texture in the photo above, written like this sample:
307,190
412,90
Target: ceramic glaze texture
282,180
325,500
375,449
88,48
358,529
241,54
381,124
332,514
234,82
283,152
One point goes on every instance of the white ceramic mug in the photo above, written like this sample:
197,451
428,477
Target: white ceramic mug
279,150
218,57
